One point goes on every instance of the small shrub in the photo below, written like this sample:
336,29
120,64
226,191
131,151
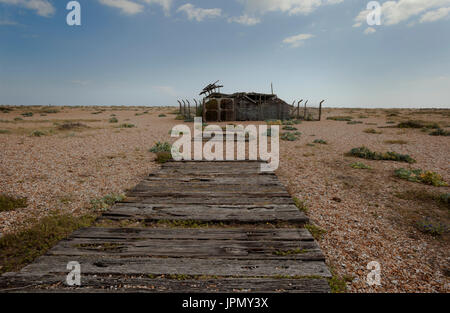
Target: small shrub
37,133
340,118
371,131
361,166
419,176
354,122
27,114
287,122
127,125
417,124
71,125
179,117
113,120
365,153
104,203
440,132
17,119
289,136
433,228
162,115
161,147
320,141
396,142
4,131
288,127
163,157
8,203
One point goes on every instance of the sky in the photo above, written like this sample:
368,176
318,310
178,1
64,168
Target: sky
153,52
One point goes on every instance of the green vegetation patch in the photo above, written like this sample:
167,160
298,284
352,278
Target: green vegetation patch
354,122
360,166
417,124
365,153
440,132
102,204
161,147
300,204
372,131
434,228
8,203
290,136
419,176
163,157
113,120
320,141
19,249
315,231
127,125
37,133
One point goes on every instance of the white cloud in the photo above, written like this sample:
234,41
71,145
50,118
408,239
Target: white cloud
395,12
126,6
245,20
369,30
435,15
42,7
297,40
199,14
165,4
292,7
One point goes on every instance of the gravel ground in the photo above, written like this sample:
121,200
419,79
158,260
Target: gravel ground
363,217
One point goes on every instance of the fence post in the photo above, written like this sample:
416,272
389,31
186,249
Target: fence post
180,106
320,109
304,113
189,109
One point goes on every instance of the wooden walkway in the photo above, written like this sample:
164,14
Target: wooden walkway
245,235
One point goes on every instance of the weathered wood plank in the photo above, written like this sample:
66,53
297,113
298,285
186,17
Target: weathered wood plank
276,234
123,283
46,265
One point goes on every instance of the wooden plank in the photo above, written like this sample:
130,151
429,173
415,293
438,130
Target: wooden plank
123,283
46,265
213,215
207,201
274,234
233,249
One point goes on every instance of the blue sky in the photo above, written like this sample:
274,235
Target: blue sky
151,52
